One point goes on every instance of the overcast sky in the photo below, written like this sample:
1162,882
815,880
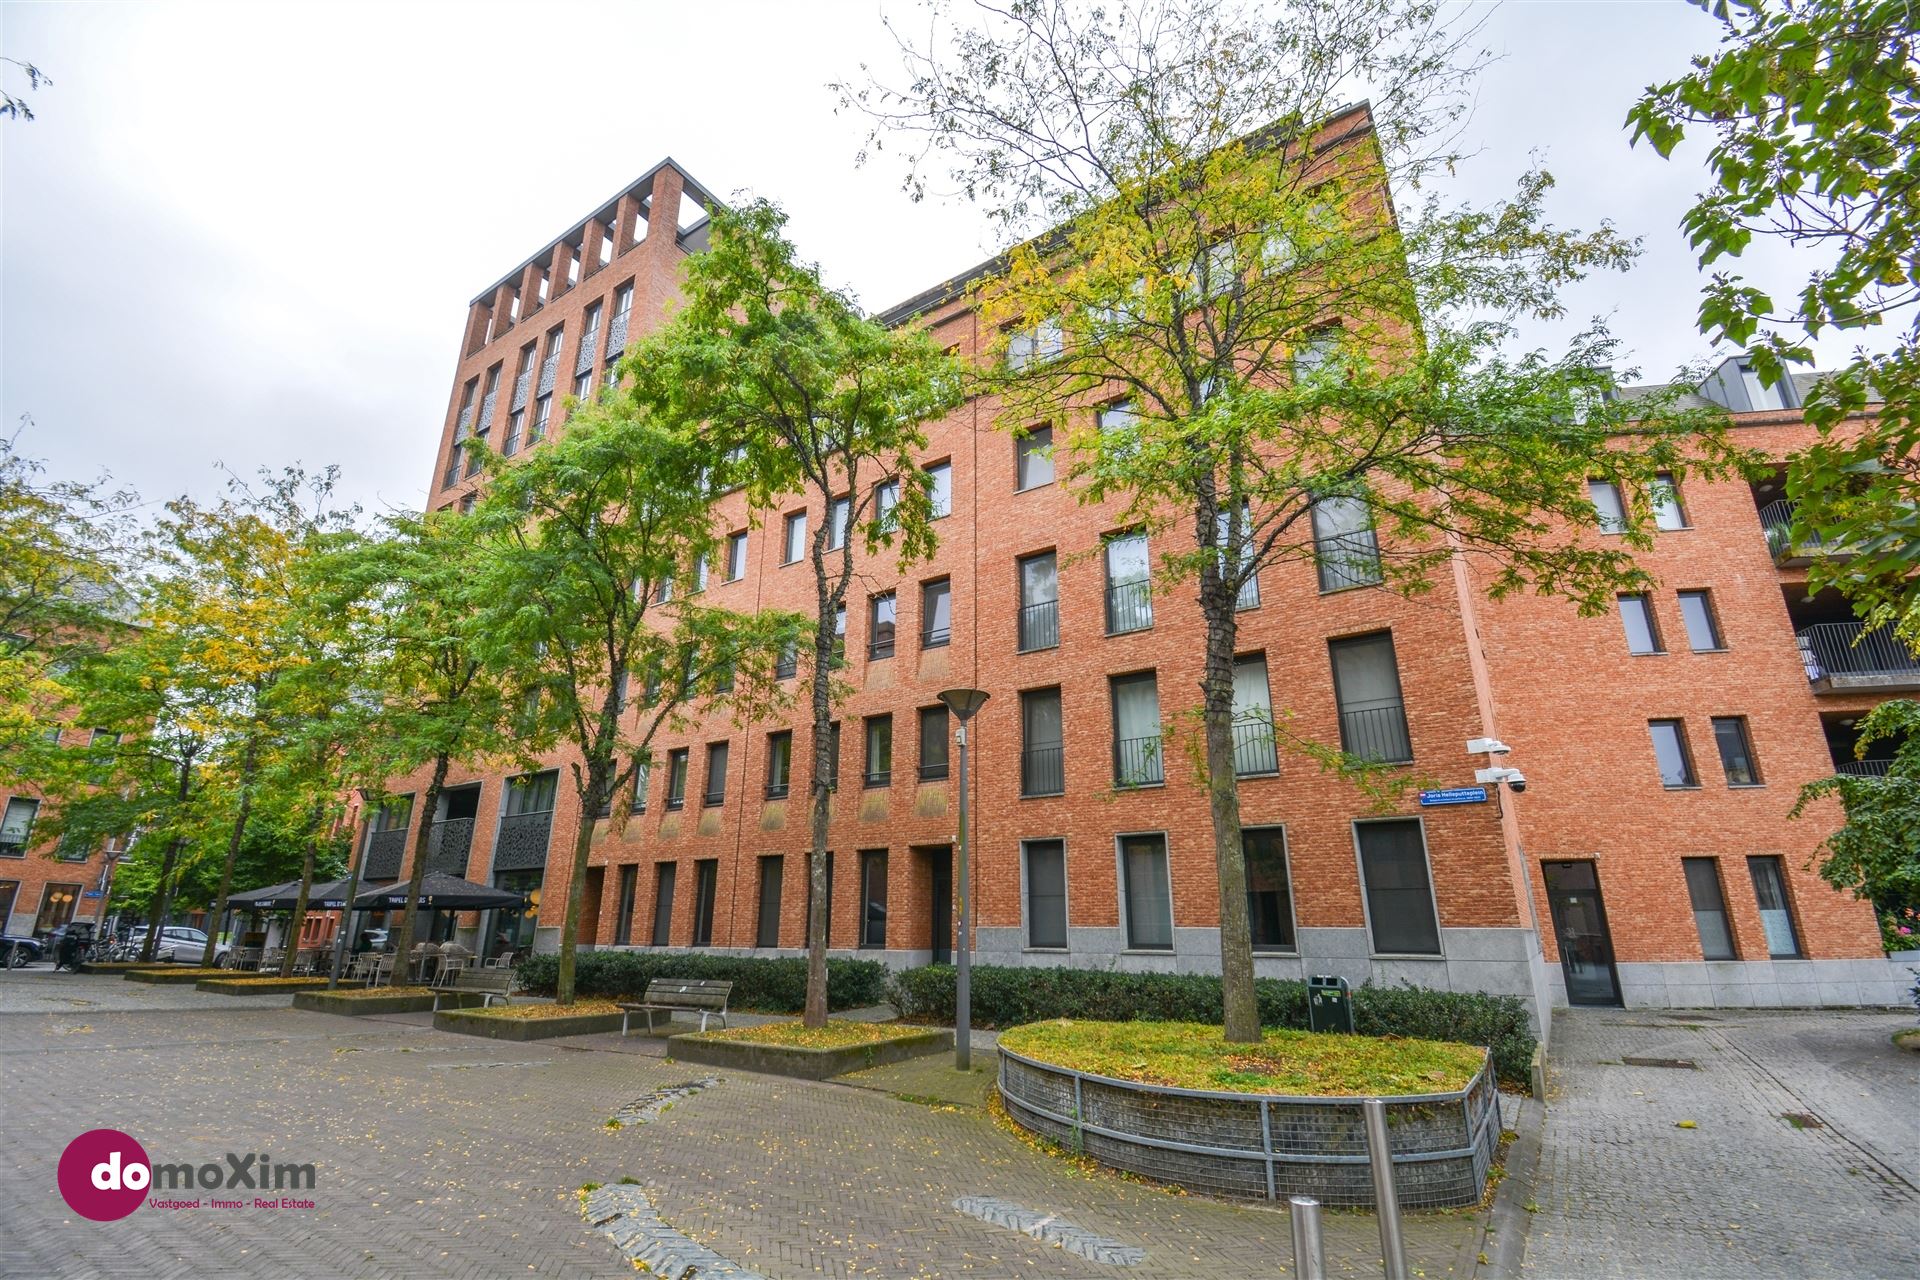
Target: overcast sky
248,233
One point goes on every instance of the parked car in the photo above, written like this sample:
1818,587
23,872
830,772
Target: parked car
178,943
17,953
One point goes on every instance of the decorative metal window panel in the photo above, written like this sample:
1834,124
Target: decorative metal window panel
523,842
549,371
522,388
385,852
448,845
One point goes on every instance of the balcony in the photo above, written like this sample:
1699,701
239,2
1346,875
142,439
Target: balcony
617,336
1040,625
523,841
1377,734
386,850
1043,770
1136,762
589,344
1841,657
1787,551
522,388
1255,751
1129,606
1864,768
449,843
936,638
549,371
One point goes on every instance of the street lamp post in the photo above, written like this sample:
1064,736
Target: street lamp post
963,703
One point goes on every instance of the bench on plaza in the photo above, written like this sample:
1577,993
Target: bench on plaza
489,984
704,996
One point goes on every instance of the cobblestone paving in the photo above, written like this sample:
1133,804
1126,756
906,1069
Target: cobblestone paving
1624,1192
429,1165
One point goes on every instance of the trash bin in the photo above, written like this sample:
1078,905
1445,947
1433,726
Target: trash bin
1329,1004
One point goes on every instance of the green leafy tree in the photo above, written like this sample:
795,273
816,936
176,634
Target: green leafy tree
1238,340
800,393
1876,852
583,542
1814,112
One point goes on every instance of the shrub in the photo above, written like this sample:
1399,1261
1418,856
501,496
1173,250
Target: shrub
1010,995
763,984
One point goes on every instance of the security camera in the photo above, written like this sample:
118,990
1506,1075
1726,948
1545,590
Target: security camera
1495,776
1487,747
1516,781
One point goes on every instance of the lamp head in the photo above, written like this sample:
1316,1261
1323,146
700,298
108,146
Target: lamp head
963,702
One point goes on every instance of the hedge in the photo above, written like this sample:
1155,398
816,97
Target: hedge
767,985
1009,995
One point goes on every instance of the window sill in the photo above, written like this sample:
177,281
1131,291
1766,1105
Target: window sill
1131,631
1746,786
1049,648
1352,586
1651,653
1043,951
1680,786
1140,786
1260,773
1277,953
1721,649
1407,955
1041,795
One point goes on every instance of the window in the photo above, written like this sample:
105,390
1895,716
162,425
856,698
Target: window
1605,496
16,827
623,910
57,902
583,385
933,743
1042,748
9,890
736,556
642,774
663,591
1636,615
1046,894
1030,346
706,879
873,898
677,779
1213,270
1665,497
662,903
1318,355
833,754
1709,908
1039,602
788,663
1119,425
936,613
609,377
532,793
1345,548
839,514
879,766
1399,896
1136,731
794,547
1237,556
701,574
542,415
1148,894
886,496
779,764
1129,593
1366,687
880,616
839,636
1269,897
621,681
940,489
716,792
467,503
1736,751
1703,629
1776,919
767,931
1033,458
1255,750
516,426
1671,754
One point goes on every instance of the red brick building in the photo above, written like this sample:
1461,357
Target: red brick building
45,884
1092,841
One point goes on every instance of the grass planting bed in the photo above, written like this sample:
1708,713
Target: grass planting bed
119,966
793,1049
531,1021
166,975
1175,1102
229,985
361,1002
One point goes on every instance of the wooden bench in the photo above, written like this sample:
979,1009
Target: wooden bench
489,984
704,996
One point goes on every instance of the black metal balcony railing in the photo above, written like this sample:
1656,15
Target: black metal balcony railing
522,389
937,638
1249,597
523,841
13,848
1776,518
510,444
386,850
1129,606
933,772
1348,560
881,646
1136,762
1865,768
1378,734
1043,770
713,799
549,372
449,843
589,344
1040,625
1845,655
778,790
1255,750
676,802
875,779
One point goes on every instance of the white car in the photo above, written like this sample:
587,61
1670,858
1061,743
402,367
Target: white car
181,944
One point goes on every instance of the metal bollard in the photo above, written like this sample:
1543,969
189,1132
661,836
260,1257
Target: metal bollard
1309,1251
1393,1248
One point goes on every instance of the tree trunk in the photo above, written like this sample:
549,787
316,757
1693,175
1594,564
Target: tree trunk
598,773
1242,1010
247,764
157,909
291,952
422,837
821,792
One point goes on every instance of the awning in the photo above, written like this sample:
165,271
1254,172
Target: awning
438,893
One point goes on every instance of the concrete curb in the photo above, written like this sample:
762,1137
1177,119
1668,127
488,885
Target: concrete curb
806,1064
1509,1221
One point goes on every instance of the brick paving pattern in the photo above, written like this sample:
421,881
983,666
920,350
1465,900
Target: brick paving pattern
1624,1192
441,1155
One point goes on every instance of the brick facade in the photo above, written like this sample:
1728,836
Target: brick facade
40,887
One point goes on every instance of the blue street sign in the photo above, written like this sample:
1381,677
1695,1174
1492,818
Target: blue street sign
1454,795
91,893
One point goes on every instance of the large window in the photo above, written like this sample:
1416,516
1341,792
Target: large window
736,556
716,792
1136,731
1346,550
623,910
772,872
1393,872
1709,908
1042,750
1032,346
1269,896
933,743
57,902
1039,602
9,890
794,545
663,903
1636,615
1255,750
677,778
839,515
873,898
940,489
1703,628
16,827
880,626
1736,751
936,613
1670,753
1366,685
532,793
1665,496
1046,894
1605,496
1148,893
706,880
1776,917
779,764
1129,591
879,767
1033,458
